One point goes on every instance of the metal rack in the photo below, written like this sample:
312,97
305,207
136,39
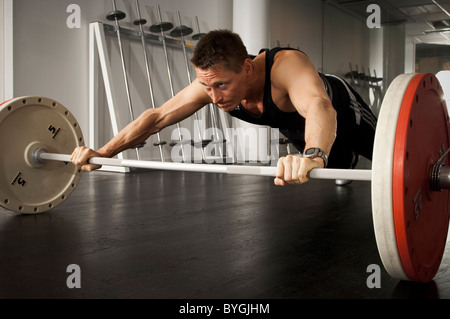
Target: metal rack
134,35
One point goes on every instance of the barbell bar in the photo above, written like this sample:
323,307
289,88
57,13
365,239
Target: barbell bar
357,174
409,176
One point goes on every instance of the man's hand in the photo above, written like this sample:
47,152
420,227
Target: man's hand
81,156
295,169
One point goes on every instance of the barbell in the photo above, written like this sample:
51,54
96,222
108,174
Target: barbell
409,173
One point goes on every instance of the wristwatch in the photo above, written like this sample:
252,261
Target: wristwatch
315,152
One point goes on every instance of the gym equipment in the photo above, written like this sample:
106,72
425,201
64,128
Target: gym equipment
140,22
162,27
410,219
116,16
199,34
410,171
28,123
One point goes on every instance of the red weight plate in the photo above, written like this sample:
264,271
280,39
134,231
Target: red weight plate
421,217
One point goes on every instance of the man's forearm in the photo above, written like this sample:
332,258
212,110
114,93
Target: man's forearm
321,125
133,134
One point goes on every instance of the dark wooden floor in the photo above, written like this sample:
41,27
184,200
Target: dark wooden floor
154,234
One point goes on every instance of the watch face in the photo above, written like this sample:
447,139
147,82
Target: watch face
310,151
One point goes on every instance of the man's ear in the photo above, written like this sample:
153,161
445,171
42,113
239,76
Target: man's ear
248,66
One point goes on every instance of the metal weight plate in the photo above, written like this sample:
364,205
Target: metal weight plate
421,216
410,221
163,26
181,31
27,123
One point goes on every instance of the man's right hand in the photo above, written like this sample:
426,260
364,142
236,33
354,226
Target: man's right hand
81,156
295,169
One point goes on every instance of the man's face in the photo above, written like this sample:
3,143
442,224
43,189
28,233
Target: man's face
226,88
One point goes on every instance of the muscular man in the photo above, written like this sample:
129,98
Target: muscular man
322,115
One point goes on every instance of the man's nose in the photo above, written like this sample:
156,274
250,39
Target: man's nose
216,96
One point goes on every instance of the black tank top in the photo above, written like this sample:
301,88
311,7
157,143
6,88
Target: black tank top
271,115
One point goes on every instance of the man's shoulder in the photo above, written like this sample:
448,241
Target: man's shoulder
289,59
289,53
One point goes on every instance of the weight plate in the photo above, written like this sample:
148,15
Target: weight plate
198,36
394,133
181,31
27,123
420,215
163,26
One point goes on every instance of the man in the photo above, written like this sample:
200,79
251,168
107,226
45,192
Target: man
322,116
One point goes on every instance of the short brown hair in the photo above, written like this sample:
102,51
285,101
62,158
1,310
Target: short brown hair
220,47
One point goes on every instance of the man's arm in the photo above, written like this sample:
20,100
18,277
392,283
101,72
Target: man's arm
297,75
181,106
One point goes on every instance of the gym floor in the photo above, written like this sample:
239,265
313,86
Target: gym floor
180,235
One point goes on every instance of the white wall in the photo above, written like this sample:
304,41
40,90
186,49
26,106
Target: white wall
345,41
410,55
49,58
298,24
251,22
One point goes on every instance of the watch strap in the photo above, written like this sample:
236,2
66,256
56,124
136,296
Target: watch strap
315,152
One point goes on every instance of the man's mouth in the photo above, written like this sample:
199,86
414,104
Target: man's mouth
226,106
